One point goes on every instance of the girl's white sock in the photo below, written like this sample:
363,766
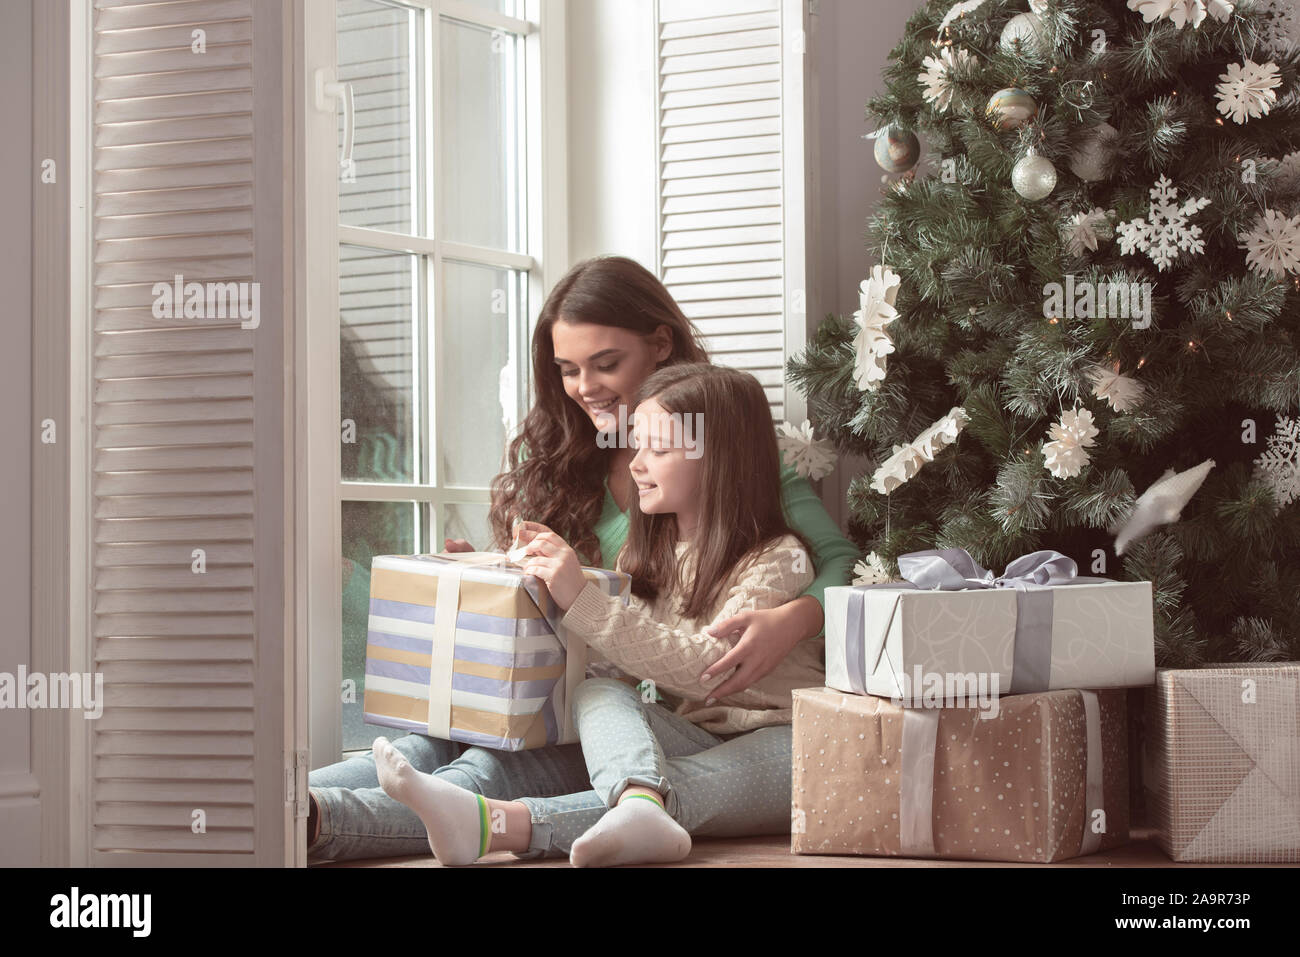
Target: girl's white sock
456,819
636,831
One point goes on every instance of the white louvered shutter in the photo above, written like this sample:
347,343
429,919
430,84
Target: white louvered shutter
726,239
179,434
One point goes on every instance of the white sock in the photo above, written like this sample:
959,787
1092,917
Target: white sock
453,817
636,831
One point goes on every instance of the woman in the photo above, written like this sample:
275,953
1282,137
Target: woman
605,327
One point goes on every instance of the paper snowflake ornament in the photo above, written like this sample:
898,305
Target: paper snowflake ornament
908,459
1065,456
937,77
1169,231
959,10
1279,466
871,571
811,458
1085,230
877,295
1280,25
1181,12
1287,177
1248,90
1122,392
1161,504
1273,244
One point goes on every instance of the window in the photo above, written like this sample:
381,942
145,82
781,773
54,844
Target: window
439,276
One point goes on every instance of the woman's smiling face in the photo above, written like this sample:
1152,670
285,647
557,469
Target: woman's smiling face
603,366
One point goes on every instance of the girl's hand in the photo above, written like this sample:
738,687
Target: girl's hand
547,556
456,545
766,637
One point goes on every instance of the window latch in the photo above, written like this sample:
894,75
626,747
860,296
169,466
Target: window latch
328,92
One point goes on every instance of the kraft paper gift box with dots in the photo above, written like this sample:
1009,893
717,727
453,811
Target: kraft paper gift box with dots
1044,780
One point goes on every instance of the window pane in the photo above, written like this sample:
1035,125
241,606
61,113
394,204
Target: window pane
478,370
509,7
481,141
377,325
469,522
376,54
369,529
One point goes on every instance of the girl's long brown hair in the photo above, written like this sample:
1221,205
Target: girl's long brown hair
560,482
741,508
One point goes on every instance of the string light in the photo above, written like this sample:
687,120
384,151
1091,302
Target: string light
1228,313
1142,362
1218,120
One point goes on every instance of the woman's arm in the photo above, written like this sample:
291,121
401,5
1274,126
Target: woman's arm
833,554
674,658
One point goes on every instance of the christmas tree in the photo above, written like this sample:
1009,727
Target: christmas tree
1082,331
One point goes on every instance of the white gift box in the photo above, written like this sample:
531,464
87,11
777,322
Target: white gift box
896,640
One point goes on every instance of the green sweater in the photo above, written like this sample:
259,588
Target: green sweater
833,555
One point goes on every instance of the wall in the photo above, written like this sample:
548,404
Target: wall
612,189
19,810
851,44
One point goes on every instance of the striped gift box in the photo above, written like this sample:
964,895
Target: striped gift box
497,670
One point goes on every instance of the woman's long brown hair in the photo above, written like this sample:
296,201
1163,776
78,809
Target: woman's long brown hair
561,481
741,508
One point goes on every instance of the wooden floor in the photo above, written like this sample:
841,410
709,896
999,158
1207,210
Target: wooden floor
775,852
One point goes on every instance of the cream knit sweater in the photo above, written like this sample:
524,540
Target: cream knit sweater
652,640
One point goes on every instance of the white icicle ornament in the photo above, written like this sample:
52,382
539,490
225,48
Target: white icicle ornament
1161,504
908,459
877,295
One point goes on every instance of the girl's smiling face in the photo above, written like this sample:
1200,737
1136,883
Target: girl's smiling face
667,479
603,366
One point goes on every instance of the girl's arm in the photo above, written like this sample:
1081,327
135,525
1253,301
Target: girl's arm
674,658
767,636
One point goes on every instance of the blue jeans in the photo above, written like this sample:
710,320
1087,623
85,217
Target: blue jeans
359,820
712,786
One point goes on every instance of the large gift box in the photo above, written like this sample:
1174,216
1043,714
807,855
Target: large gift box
1043,778
466,647
1038,627
1223,751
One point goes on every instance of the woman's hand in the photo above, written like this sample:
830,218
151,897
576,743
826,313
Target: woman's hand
549,557
456,545
766,637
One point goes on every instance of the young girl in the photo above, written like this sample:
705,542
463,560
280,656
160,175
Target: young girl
707,538
605,327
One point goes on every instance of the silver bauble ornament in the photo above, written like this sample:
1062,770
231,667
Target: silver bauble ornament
1034,177
1026,33
1093,154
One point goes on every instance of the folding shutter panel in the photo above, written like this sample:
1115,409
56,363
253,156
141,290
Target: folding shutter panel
722,236
179,433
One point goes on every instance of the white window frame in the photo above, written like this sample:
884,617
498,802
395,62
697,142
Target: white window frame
317,532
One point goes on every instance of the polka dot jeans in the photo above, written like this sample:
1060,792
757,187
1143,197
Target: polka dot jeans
712,786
